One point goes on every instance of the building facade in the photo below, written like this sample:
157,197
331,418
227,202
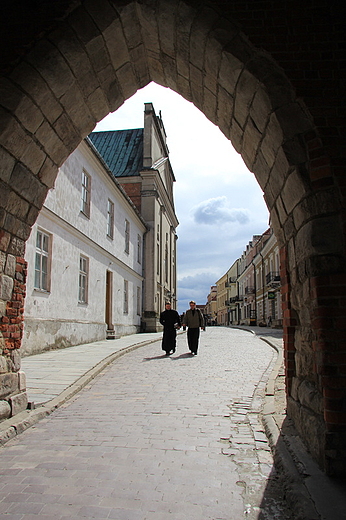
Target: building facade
210,311
249,292
233,303
221,306
85,259
140,161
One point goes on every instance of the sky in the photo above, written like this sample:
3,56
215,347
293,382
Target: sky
218,201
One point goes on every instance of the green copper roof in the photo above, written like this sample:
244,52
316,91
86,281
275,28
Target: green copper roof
122,150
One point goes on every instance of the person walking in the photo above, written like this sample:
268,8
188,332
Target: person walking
170,320
193,320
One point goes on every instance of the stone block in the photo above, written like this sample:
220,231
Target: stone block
28,114
98,104
251,140
320,236
6,287
213,54
116,45
293,191
98,53
3,365
12,136
8,384
5,410
7,164
2,313
260,109
139,62
47,176
15,360
272,140
52,144
111,88
127,80
46,58
18,403
32,82
10,267
33,157
21,381
166,27
17,246
73,102
230,70
224,116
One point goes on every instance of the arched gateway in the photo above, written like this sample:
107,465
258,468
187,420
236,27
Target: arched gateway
269,79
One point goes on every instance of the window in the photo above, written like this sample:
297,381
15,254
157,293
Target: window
85,202
138,301
139,249
83,279
158,259
166,263
42,261
126,297
110,219
127,236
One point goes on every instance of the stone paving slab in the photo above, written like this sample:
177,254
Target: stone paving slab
307,486
48,373
149,438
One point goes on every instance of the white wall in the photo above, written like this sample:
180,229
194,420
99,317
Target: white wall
55,319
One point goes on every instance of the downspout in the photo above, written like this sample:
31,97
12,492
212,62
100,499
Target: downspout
263,305
255,289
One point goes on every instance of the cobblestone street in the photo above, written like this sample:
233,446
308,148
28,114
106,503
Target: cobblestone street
154,438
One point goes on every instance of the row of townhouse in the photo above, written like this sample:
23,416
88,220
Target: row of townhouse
249,292
102,253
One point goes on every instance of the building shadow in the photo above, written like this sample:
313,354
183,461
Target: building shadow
296,487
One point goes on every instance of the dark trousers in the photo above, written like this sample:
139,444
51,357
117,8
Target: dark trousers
169,339
192,339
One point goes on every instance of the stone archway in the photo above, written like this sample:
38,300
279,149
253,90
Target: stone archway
97,54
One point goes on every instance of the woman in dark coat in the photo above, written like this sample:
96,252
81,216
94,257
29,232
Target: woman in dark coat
170,320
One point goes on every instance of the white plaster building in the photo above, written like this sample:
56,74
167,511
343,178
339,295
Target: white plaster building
85,259
139,159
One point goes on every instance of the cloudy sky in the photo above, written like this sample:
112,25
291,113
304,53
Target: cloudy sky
218,201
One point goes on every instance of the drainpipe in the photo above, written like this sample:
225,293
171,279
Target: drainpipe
263,305
255,289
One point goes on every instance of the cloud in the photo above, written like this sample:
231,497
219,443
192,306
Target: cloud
217,211
194,287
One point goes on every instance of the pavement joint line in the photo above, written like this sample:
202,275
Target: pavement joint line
15,425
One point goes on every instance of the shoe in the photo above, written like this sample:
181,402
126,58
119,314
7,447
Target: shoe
167,354
173,351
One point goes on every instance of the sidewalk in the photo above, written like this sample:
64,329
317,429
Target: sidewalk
55,376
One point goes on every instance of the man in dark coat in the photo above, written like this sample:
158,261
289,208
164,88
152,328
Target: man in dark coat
170,320
194,320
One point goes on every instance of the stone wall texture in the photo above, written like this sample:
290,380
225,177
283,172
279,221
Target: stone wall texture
270,75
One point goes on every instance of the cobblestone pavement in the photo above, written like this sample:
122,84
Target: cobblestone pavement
154,438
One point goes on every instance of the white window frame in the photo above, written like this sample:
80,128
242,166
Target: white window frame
138,301
139,249
127,236
126,297
86,194
110,219
83,279
42,261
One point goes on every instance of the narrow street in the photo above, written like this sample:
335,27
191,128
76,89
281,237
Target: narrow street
154,438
